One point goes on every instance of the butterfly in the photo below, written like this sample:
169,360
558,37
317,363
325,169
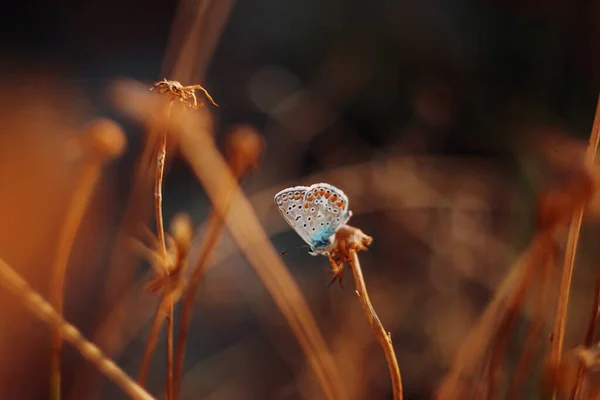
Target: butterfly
315,212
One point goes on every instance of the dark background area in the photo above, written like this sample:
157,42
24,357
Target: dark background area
434,78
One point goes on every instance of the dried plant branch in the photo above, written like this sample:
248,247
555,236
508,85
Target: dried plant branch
159,317
185,94
167,282
170,316
44,311
244,150
212,171
537,323
102,141
589,334
571,251
467,360
512,310
348,242
161,155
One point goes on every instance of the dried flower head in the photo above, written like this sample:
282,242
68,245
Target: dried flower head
185,94
347,239
169,268
244,148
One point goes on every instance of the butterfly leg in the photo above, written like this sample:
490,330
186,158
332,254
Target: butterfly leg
337,270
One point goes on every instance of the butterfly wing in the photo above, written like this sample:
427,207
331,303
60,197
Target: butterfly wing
325,210
289,202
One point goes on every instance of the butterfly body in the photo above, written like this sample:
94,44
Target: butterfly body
315,212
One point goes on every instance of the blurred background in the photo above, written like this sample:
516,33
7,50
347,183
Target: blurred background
441,120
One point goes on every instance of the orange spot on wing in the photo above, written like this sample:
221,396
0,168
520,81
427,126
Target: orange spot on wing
309,198
321,191
334,198
340,203
327,195
305,205
298,196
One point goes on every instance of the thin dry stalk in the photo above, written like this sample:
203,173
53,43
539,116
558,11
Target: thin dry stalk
537,324
161,155
201,153
382,336
159,317
541,263
245,148
472,349
589,334
103,140
44,311
570,253
213,234
512,310
169,394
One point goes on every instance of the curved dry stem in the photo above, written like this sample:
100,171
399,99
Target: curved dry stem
43,310
570,253
75,210
382,336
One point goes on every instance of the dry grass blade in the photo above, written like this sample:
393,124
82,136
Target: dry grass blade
103,140
32,300
211,169
571,251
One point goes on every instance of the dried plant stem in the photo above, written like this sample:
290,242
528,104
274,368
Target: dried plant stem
537,324
75,210
159,316
513,307
570,253
158,182
589,334
213,234
44,310
382,336
169,395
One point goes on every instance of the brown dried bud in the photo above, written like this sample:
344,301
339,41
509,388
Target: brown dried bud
106,139
182,229
350,238
244,148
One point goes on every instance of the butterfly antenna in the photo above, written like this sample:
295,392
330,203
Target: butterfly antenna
295,248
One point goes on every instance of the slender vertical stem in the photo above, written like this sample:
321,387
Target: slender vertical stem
213,233
169,395
159,317
74,213
382,336
570,253
158,183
